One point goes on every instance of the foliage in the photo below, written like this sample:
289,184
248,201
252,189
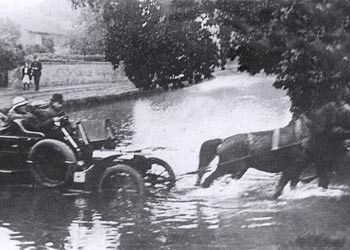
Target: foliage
11,52
93,4
49,44
305,43
189,50
158,44
36,48
87,37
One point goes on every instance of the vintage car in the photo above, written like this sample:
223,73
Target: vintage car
70,159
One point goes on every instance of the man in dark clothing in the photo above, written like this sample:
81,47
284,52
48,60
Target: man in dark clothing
54,109
36,72
56,104
52,113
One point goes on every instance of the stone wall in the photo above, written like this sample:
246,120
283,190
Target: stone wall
70,73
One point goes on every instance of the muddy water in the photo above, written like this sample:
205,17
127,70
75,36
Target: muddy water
231,214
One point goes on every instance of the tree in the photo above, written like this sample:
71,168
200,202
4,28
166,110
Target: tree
305,43
49,44
11,52
314,66
188,47
88,35
158,43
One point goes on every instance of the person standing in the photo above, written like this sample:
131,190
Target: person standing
36,72
26,76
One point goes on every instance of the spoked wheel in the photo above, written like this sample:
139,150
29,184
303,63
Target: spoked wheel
120,182
160,176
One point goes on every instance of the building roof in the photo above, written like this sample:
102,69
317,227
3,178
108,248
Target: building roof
44,26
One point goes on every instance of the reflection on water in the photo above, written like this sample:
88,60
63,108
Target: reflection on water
50,220
232,214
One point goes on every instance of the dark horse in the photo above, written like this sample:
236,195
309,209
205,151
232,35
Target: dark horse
288,150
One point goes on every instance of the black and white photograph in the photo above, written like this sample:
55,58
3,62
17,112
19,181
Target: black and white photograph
175,124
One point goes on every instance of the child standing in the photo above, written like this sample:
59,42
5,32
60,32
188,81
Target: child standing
26,76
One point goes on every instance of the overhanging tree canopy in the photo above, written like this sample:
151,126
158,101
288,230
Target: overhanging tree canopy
305,43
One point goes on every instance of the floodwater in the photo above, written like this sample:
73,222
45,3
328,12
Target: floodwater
231,214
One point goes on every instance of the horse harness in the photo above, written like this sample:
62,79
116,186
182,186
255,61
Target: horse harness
274,142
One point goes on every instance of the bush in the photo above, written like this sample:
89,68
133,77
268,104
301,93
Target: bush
33,49
11,52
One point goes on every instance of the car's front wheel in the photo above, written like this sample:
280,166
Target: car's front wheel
121,180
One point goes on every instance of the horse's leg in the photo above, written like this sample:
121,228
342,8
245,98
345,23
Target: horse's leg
239,168
296,162
213,176
322,169
239,174
291,173
281,184
206,155
325,166
295,176
294,182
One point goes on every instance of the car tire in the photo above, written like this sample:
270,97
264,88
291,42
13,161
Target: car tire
52,163
129,174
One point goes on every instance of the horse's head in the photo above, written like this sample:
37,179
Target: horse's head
328,118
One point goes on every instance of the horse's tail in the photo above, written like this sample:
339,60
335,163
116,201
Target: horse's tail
206,155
